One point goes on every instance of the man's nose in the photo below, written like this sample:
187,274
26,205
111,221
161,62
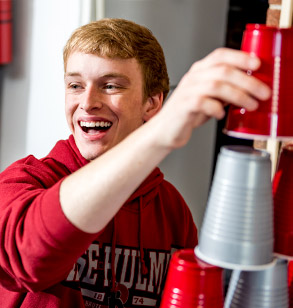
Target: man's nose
92,99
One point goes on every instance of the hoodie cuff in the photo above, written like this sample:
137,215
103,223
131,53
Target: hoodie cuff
61,231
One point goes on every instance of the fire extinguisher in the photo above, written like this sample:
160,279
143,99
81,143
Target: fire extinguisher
5,31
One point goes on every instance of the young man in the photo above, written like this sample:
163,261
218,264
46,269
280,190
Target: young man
94,224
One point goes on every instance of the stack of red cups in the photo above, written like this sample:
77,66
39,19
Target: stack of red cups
192,283
273,118
290,283
283,204
5,31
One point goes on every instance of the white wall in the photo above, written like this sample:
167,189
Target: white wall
15,87
53,22
32,94
32,104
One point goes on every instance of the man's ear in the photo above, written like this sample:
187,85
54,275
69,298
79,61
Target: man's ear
152,106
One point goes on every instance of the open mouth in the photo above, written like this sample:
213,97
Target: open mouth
95,127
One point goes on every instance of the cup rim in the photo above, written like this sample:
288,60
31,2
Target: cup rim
283,256
243,151
264,27
233,266
255,136
188,259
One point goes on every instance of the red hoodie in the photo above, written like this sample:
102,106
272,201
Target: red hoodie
47,262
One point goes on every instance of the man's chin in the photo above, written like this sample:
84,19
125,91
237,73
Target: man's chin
90,152
90,155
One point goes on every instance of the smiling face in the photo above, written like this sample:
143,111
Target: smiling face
103,101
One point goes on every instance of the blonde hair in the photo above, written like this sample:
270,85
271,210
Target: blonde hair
120,38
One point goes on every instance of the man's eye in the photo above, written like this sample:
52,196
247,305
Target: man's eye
111,87
73,86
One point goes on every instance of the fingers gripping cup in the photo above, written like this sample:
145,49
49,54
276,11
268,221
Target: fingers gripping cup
192,283
273,117
237,229
259,289
283,204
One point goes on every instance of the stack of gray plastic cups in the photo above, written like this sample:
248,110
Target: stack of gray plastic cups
267,288
237,231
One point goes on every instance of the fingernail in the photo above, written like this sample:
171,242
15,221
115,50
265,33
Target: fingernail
252,105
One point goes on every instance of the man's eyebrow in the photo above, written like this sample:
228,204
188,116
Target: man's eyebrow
108,75
71,74
116,75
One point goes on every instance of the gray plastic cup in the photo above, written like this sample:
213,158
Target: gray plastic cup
259,289
237,230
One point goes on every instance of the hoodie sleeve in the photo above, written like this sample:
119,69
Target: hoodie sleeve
38,245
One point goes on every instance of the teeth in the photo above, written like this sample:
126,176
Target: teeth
95,124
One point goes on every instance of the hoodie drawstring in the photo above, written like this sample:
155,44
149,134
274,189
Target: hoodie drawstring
144,269
114,287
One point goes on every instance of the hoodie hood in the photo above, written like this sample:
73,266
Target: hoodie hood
67,154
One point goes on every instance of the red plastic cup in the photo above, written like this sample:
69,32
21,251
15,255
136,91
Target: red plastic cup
192,283
290,283
274,117
5,31
283,203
